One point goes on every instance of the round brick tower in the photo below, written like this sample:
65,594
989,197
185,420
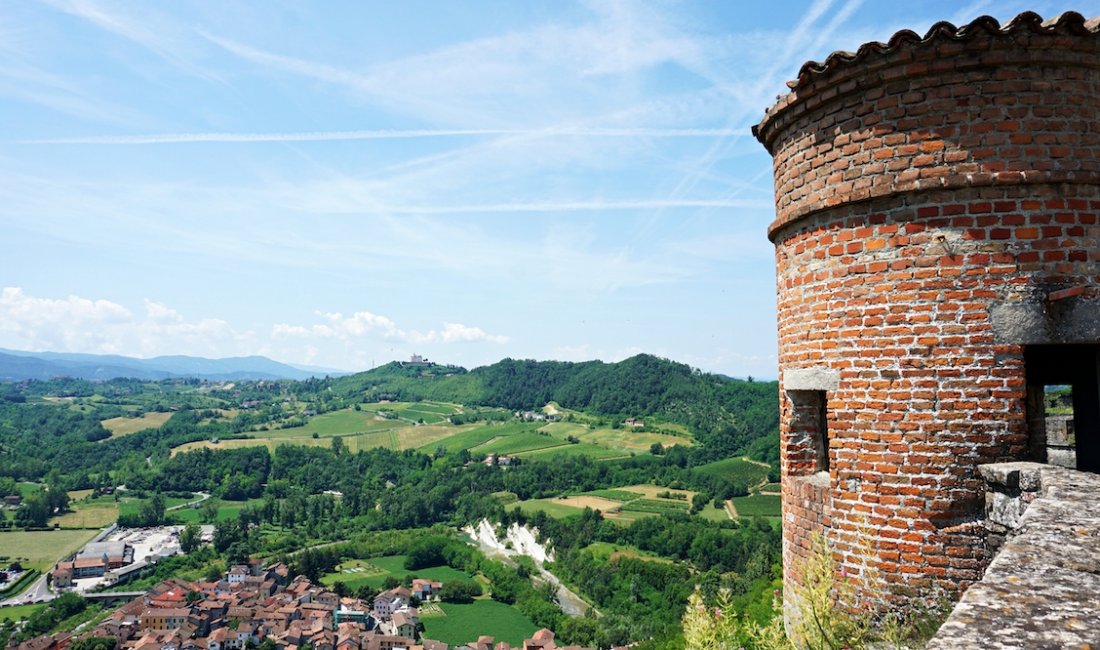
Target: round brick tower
938,263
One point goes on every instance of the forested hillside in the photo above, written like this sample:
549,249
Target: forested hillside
726,415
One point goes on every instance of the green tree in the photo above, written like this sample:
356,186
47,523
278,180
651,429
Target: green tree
459,591
34,512
190,537
208,512
94,643
152,510
8,486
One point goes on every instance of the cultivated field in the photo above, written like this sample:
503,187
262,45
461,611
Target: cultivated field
583,501
471,436
516,443
628,440
629,503
42,548
651,492
592,451
391,434
758,505
424,426
625,504
753,472
88,513
125,426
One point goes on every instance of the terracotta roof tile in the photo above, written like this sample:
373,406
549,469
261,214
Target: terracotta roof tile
1069,22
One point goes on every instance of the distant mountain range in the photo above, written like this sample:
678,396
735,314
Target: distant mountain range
16,365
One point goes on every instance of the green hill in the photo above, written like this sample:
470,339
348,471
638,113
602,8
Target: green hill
726,415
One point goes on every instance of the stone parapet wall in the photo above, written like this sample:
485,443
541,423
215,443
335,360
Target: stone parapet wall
1042,590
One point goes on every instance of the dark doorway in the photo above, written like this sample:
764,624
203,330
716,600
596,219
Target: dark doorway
1064,403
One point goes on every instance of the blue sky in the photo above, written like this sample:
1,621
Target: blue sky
345,183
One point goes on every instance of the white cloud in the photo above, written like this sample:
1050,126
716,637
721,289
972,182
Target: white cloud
581,352
160,312
364,324
457,332
72,323
76,324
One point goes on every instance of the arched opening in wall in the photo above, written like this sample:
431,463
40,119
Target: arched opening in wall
1063,401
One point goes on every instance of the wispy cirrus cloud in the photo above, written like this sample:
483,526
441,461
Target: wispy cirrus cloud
565,69
388,134
164,37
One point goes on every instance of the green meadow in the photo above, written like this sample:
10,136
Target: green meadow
465,623
373,572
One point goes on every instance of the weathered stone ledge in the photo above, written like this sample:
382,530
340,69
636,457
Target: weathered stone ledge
1042,589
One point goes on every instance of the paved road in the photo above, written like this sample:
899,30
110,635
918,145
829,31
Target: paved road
38,591
203,496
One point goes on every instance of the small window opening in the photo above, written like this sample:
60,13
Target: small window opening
1064,405
808,447
1061,443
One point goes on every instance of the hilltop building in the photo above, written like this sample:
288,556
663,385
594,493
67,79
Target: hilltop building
938,265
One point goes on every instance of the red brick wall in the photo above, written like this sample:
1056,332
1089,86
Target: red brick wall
919,191
1019,108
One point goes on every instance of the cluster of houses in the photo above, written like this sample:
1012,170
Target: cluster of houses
534,416
253,607
494,459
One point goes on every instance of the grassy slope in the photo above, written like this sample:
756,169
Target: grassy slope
376,570
465,623
18,612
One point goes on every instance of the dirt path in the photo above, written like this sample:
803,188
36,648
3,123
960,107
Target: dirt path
731,510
